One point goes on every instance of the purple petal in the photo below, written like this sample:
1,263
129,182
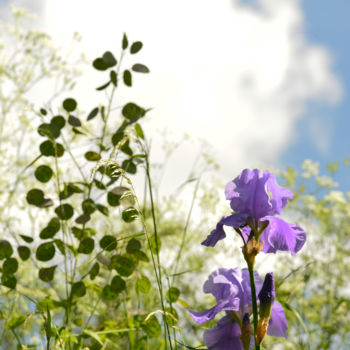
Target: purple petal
280,235
209,314
280,195
248,193
278,323
216,235
224,336
235,220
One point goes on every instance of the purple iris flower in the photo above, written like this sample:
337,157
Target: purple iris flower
231,288
256,197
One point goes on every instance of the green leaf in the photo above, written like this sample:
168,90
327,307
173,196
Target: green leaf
93,114
69,104
139,131
108,243
92,156
43,111
58,121
23,252
129,214
88,206
172,294
35,197
46,274
45,251
49,130
94,271
133,246
129,166
51,229
140,68
64,211
171,316
155,244
78,289
100,64
9,281
118,284
136,47
125,42
27,239
83,219
15,321
102,87
102,209
126,148
132,111
113,199
127,78
143,285
124,266
108,293
109,59
140,255
151,327
113,77
74,121
86,246
10,266
43,173
48,148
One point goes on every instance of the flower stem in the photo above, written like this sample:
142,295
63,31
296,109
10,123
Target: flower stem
254,304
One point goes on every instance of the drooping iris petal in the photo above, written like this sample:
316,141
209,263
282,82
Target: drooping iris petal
280,195
216,235
278,322
224,336
281,235
235,220
209,314
248,193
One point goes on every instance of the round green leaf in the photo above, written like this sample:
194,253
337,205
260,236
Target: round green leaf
49,130
45,251
27,239
9,281
23,252
64,211
83,219
108,243
125,42
113,199
5,249
43,173
94,271
10,266
88,206
123,265
118,284
172,295
78,289
113,77
100,64
69,104
86,246
127,78
35,197
155,244
129,214
140,68
92,156
102,209
151,327
58,121
140,255
129,166
46,274
132,111
43,111
139,131
49,149
143,285
136,47
171,316
108,293
133,245
109,59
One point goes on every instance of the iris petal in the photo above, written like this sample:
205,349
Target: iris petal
278,323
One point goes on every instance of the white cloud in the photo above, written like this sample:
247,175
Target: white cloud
235,75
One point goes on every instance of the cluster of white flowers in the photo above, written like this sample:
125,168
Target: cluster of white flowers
326,181
310,168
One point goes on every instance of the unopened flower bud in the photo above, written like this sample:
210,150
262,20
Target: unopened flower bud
246,332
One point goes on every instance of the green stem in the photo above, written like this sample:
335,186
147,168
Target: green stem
254,303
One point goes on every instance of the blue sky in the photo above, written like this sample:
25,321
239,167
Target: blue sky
327,23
